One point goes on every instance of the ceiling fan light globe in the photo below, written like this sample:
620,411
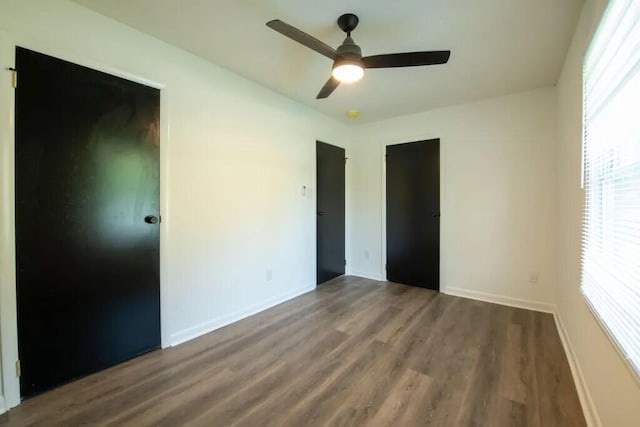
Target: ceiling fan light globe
348,73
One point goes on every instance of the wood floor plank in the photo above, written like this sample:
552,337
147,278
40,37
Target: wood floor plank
323,370
557,397
319,407
524,319
481,400
512,385
353,352
409,318
510,413
369,391
169,406
403,404
355,361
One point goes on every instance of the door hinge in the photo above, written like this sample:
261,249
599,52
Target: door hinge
14,77
18,369
385,267
386,156
345,159
345,262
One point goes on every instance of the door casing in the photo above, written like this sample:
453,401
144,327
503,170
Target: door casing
99,197
414,271
8,306
443,199
344,228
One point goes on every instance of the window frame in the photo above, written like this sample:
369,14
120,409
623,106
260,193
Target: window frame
593,41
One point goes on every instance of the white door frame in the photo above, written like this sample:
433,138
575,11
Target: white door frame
443,217
8,315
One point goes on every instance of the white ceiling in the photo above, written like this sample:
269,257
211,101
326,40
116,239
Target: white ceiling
497,46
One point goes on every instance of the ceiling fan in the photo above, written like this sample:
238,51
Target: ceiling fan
348,63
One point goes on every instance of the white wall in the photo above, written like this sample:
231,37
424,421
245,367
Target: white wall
613,394
234,157
498,195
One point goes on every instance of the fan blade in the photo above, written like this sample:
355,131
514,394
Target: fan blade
328,88
303,38
409,59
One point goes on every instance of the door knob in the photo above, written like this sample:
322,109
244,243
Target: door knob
435,215
151,219
320,213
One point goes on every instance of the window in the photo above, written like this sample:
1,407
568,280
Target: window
611,165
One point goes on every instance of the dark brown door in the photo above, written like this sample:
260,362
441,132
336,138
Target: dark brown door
330,162
413,213
87,212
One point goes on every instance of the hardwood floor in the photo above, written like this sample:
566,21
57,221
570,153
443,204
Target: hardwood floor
354,352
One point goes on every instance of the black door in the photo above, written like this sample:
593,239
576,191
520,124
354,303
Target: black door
413,213
87,233
330,162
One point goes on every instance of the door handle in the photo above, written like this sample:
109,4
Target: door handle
151,219
320,213
435,215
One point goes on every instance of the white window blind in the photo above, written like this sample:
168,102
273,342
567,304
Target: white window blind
611,167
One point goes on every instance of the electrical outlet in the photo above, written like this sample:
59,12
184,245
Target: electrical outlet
533,277
269,275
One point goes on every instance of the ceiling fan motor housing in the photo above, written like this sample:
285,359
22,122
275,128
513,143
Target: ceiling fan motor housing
348,52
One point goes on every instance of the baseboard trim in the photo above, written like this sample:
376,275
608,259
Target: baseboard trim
370,276
3,408
588,407
211,325
499,299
